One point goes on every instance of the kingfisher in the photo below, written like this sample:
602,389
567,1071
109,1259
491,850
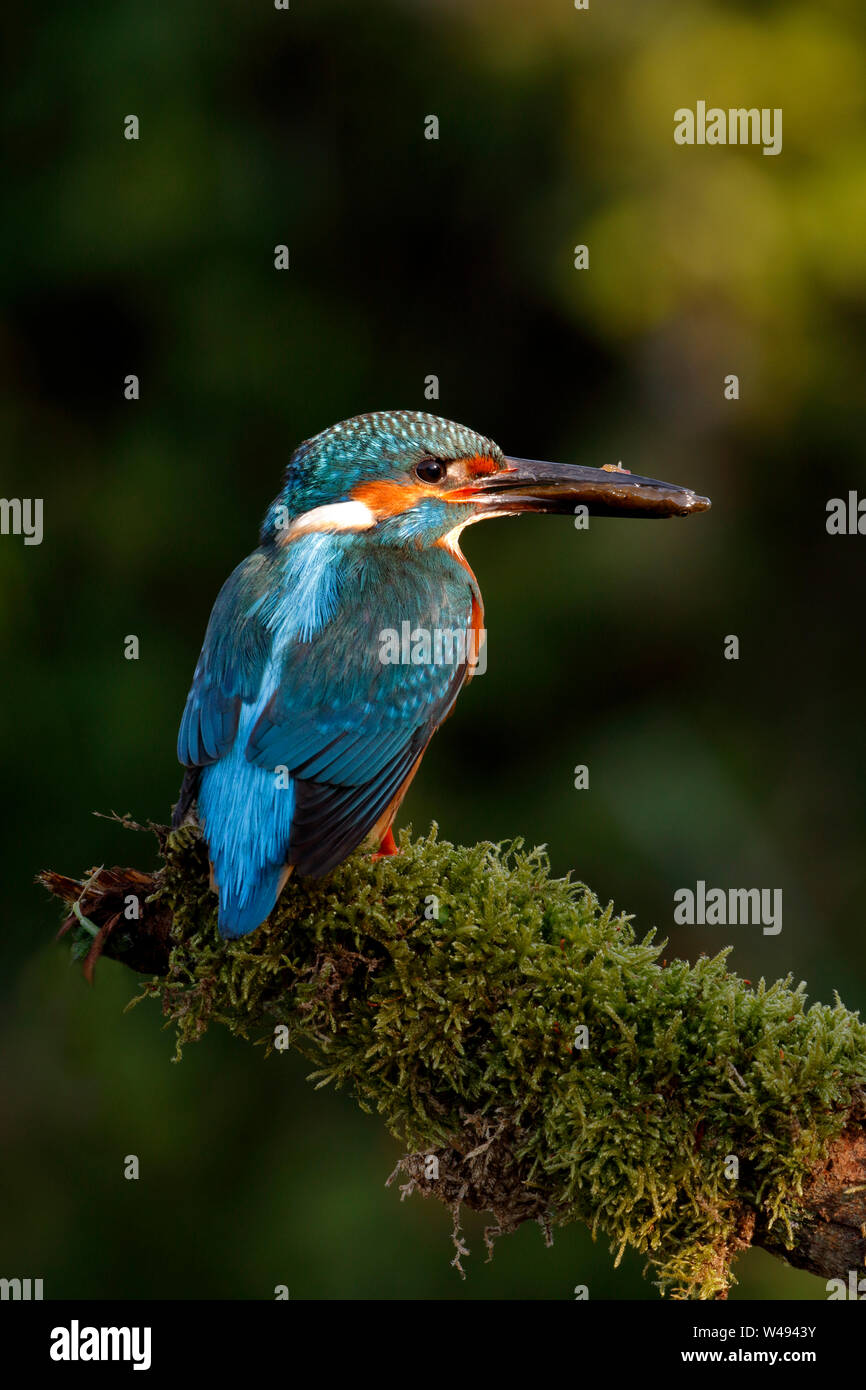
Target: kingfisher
305,724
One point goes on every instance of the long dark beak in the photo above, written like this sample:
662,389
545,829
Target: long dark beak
527,485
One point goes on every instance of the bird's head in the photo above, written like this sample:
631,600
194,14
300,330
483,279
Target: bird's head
407,478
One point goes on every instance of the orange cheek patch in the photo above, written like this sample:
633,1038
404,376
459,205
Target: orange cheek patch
390,499
386,498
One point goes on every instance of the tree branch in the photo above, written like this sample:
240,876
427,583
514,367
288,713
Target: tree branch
531,1054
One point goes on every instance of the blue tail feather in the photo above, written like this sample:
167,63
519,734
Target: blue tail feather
246,815
240,914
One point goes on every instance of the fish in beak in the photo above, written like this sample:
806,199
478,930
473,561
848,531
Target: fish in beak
527,485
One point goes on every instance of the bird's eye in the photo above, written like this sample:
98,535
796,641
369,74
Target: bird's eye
430,471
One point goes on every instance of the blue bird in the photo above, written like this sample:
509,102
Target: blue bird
338,647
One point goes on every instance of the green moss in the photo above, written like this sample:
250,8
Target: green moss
441,1025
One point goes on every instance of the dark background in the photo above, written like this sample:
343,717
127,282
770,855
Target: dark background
411,257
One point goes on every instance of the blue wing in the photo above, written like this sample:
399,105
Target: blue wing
245,824
229,670
350,730
350,726
305,736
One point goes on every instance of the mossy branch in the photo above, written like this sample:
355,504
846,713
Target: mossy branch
447,986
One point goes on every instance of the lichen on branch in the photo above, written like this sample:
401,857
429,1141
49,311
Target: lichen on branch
503,1022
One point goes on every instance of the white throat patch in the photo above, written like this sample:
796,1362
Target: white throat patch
339,516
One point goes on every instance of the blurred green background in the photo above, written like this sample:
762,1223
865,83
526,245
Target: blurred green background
411,257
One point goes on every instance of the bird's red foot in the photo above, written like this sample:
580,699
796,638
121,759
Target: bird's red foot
388,845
